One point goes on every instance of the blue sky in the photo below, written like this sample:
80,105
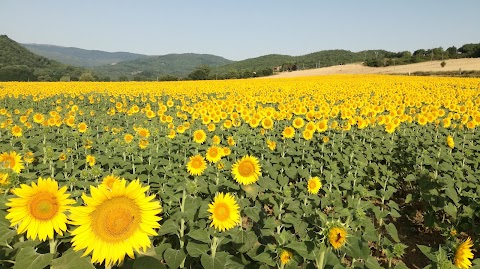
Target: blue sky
244,29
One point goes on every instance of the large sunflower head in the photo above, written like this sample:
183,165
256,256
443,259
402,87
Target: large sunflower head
247,170
39,209
113,223
196,165
11,160
225,212
463,254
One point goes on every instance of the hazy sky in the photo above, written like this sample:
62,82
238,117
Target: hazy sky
242,29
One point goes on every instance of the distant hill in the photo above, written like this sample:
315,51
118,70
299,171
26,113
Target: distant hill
263,65
151,67
19,64
81,57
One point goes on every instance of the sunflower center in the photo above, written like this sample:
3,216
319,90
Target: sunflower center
222,212
116,219
9,162
312,184
44,206
196,163
199,136
246,169
213,152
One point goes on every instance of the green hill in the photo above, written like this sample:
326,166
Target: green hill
19,64
81,57
152,67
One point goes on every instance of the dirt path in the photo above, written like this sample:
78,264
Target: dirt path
358,68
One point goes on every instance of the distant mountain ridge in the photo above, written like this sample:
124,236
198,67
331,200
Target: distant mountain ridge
81,57
179,65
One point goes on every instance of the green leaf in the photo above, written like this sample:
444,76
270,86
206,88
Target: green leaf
146,262
392,231
427,251
168,227
451,210
201,235
72,260
372,263
27,258
6,233
234,263
216,262
452,194
174,257
196,249
265,257
304,249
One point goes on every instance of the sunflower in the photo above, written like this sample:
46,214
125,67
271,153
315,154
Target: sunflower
216,140
271,144
211,127
450,142
114,223
38,118
143,144
12,161
325,139
111,181
17,131
196,165
337,236
322,126
39,209
214,154
463,254
91,160
225,212
298,123
82,127
199,136
314,184
231,141
285,256
247,170
267,123
28,158
128,138
288,132
307,134
143,132
171,134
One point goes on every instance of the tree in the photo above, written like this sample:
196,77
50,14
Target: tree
16,73
86,77
443,63
123,78
200,73
452,52
65,79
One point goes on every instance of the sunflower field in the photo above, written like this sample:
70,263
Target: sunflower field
357,171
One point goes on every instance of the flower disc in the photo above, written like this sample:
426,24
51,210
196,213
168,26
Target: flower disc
314,185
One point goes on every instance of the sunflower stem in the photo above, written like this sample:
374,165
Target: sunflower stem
320,261
215,242
53,246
